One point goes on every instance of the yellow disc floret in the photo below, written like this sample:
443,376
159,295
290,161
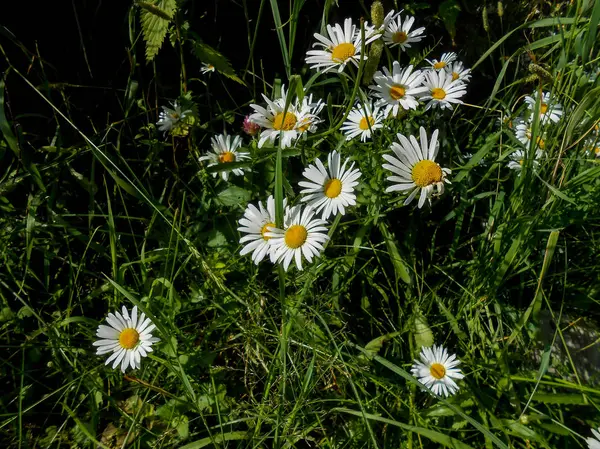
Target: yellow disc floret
439,65
426,172
295,236
365,122
265,229
342,52
438,93
285,124
128,338
399,37
437,370
332,188
226,156
397,92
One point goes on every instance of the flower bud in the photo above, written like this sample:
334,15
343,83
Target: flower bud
249,127
377,15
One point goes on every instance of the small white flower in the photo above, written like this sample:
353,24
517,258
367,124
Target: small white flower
398,89
224,150
128,337
341,47
207,68
398,32
330,192
362,120
524,134
458,71
446,59
592,147
256,223
518,159
302,234
415,167
437,370
442,91
168,118
299,118
594,443
549,109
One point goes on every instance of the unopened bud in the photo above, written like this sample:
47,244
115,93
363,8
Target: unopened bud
500,9
377,15
373,61
484,16
250,128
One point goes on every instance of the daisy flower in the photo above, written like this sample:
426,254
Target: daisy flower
592,147
330,191
549,109
224,150
342,47
207,68
302,234
415,168
397,32
518,159
446,59
128,337
297,120
524,134
442,89
256,223
437,370
458,71
398,89
169,118
594,443
362,120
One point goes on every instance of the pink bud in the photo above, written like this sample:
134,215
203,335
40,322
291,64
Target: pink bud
250,128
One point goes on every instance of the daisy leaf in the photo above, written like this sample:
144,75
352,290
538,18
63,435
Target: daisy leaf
155,18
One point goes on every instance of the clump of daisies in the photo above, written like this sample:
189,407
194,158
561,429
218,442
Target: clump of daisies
437,370
286,122
225,150
128,337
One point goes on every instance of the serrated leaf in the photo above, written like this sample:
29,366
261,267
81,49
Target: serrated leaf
155,20
422,332
209,55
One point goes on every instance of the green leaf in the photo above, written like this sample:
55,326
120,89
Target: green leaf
399,266
233,196
422,332
216,439
376,344
209,55
448,11
155,20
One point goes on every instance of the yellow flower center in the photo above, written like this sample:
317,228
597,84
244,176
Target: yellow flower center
342,52
265,229
332,188
520,161
438,93
286,123
597,151
437,370
366,122
175,116
439,65
128,338
455,76
426,172
543,108
397,92
304,125
538,139
226,156
399,37
295,236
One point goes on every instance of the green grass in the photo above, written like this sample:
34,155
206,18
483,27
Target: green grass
502,269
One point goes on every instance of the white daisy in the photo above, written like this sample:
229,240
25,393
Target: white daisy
437,370
398,89
302,234
397,32
224,150
416,168
297,120
458,71
129,338
362,120
549,109
330,192
168,118
592,147
594,443
524,134
518,159
256,223
442,90
342,47
446,59
207,68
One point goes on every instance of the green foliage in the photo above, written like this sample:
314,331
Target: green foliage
155,19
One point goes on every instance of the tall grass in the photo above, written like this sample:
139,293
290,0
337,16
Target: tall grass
502,269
